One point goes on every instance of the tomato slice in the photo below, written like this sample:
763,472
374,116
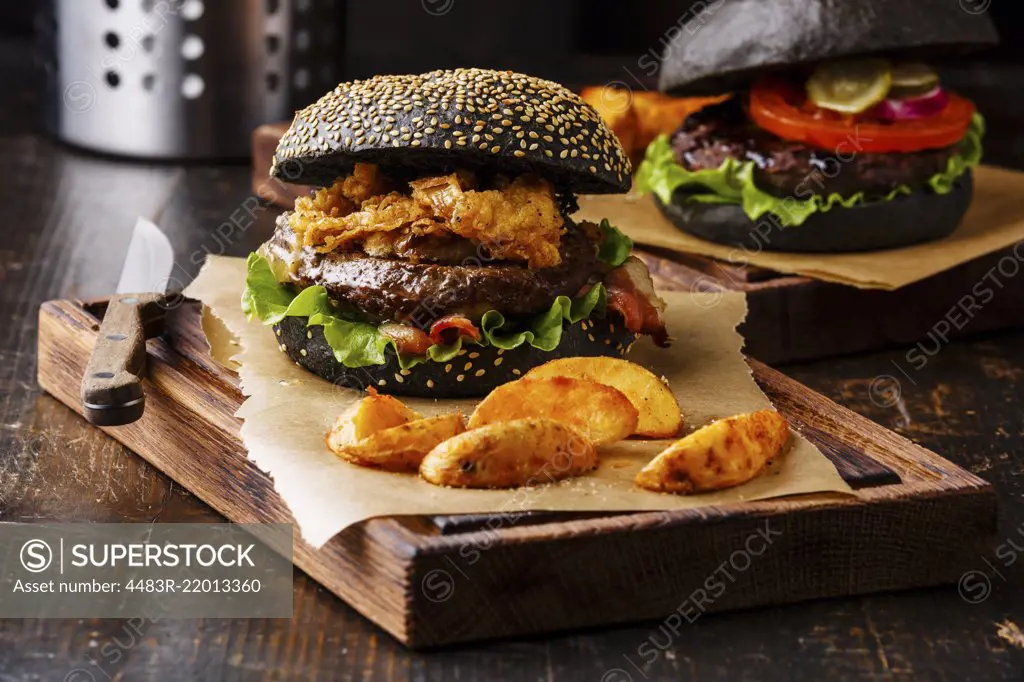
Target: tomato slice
781,108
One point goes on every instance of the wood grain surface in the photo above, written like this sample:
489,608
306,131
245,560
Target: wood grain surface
795,319
69,217
425,588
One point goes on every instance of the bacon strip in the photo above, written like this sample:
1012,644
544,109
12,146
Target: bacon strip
631,294
626,304
457,322
408,340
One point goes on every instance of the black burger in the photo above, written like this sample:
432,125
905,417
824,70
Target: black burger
836,135
438,257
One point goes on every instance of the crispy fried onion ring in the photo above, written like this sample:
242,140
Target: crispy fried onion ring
519,221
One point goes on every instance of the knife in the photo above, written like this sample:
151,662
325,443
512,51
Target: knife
112,385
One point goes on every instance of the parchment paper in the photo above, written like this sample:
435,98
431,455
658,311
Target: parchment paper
289,410
994,220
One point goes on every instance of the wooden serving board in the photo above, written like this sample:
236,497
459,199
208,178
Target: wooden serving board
793,318
917,519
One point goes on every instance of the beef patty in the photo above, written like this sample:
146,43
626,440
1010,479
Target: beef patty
387,289
786,168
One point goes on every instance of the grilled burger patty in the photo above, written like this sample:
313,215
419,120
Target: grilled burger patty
387,289
786,168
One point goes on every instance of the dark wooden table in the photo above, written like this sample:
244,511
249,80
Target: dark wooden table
67,220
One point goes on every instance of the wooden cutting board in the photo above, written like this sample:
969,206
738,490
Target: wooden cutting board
793,318
917,519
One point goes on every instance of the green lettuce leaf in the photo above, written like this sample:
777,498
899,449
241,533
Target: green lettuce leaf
263,297
360,344
545,331
615,247
733,181
355,344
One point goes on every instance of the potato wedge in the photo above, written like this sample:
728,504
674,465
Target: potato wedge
367,416
510,454
660,114
658,411
723,454
601,413
403,447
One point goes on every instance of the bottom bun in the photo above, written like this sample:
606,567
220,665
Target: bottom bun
910,219
475,372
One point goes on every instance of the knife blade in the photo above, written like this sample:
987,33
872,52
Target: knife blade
148,262
112,392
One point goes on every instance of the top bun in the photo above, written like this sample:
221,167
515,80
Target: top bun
458,118
720,49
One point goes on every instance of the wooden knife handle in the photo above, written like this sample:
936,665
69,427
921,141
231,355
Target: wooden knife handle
112,386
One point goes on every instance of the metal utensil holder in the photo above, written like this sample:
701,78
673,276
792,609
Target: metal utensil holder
182,79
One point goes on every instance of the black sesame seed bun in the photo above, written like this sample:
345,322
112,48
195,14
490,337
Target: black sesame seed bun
911,219
476,372
721,48
470,118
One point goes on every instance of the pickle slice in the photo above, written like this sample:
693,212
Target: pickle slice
850,87
914,75
912,79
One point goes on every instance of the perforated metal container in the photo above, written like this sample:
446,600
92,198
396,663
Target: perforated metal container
184,79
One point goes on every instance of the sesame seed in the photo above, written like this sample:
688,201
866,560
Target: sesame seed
467,367
309,334
430,383
302,352
479,373
448,368
516,372
460,377
381,382
498,361
451,107
399,379
591,337
474,355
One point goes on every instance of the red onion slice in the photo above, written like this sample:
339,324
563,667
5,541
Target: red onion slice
923,106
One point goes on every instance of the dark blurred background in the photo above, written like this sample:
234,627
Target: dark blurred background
576,42
573,41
